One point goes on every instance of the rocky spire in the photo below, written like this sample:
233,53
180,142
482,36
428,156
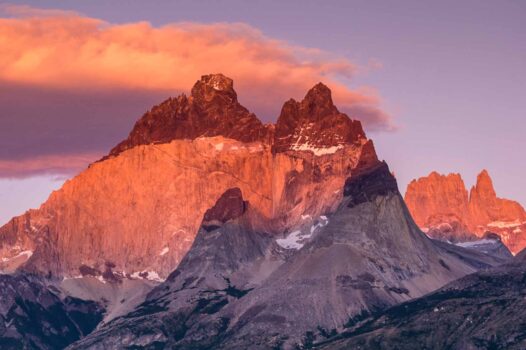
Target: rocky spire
443,195
441,204
484,187
214,86
315,125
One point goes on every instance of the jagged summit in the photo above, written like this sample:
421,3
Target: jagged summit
318,101
484,186
151,192
212,109
442,206
214,85
315,125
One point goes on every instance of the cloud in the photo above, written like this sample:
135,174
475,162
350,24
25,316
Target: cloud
51,164
12,10
68,54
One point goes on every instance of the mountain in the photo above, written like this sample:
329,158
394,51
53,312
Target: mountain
207,229
441,206
35,315
139,208
485,310
240,288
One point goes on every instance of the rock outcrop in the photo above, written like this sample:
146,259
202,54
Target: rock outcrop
315,125
140,207
441,206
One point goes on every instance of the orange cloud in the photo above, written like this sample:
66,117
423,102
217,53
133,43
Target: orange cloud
66,50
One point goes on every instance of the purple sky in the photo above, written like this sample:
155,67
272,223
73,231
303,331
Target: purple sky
452,77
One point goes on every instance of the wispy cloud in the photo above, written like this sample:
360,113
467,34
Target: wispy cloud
56,165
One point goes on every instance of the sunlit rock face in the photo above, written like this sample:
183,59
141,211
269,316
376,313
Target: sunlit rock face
140,207
442,207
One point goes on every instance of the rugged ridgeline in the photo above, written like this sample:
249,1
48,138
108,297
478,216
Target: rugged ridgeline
442,207
240,288
138,209
34,315
281,234
485,310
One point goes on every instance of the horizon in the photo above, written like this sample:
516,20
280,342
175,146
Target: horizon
388,73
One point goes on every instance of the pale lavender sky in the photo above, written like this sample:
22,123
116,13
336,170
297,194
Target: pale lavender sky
453,78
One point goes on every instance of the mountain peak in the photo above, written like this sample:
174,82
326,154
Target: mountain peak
318,101
211,110
212,85
319,90
484,184
315,125
218,82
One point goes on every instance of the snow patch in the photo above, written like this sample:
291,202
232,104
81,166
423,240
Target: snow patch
164,251
505,224
517,230
317,151
151,275
154,276
323,222
302,143
293,240
219,146
305,217
26,253
65,278
444,226
476,243
297,239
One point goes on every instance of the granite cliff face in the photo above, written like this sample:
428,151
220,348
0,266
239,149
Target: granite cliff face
139,208
441,206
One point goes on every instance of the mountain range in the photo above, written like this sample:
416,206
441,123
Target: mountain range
442,207
207,229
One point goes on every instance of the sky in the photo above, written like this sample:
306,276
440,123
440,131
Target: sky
437,85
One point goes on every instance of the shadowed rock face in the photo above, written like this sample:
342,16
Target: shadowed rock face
366,186
485,310
229,206
238,288
33,315
441,206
